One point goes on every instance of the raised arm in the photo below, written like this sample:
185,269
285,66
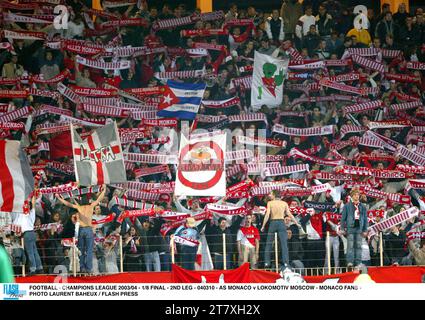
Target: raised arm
100,197
66,203
266,218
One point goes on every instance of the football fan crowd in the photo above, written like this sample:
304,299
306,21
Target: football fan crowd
345,149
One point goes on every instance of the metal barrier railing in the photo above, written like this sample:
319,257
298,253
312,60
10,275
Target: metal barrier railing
323,262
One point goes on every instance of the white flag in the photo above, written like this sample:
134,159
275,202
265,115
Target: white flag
267,81
201,167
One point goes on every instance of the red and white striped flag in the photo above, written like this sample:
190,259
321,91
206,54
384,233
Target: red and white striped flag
16,179
99,158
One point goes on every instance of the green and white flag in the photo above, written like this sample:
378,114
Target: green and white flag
267,81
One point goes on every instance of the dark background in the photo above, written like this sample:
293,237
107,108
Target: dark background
270,4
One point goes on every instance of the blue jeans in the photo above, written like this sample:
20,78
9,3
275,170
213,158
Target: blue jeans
354,247
165,258
85,245
218,260
188,257
152,258
279,227
32,252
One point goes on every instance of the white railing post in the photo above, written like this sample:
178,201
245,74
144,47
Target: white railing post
276,253
173,261
121,256
23,248
74,257
381,249
224,252
328,251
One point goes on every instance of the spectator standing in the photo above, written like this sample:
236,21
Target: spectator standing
291,11
188,237
386,27
354,224
304,23
325,23
276,211
12,70
26,222
85,233
248,240
401,15
275,27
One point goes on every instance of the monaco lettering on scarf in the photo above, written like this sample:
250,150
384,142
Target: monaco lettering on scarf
135,213
268,142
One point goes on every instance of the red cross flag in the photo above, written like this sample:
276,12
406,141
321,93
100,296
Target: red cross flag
98,159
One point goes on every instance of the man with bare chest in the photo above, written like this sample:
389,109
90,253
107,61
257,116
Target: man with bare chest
85,234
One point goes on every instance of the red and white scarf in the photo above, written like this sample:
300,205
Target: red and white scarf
393,221
221,209
142,172
273,143
305,132
99,64
283,170
150,158
296,153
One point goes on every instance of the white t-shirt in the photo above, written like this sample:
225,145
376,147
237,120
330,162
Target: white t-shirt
26,221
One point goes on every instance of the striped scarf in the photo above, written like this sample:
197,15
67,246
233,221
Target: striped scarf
99,64
393,221
362,107
367,63
148,196
283,170
187,74
150,158
16,114
239,155
304,132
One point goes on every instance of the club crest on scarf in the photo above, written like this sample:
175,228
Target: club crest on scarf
201,168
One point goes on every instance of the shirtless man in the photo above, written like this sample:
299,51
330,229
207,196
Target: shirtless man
85,234
276,211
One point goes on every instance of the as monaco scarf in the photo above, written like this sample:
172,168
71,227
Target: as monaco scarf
150,171
341,87
415,65
305,132
99,64
406,105
394,197
225,209
362,107
222,103
274,143
16,114
393,221
80,192
150,158
135,213
283,170
389,124
320,206
25,35
296,153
